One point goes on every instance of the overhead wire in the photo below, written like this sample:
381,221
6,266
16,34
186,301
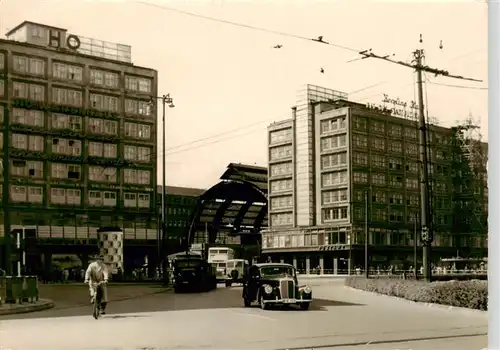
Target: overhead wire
459,86
247,26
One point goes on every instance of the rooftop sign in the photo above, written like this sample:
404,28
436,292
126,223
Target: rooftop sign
396,107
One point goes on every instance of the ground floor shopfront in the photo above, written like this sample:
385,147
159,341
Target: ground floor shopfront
345,259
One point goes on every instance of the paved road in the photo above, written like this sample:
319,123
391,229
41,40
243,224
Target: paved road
217,320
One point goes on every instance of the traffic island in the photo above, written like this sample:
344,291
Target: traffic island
19,294
472,294
40,305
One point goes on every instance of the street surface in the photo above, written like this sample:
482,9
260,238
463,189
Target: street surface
338,319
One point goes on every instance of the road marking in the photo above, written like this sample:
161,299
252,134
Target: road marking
254,315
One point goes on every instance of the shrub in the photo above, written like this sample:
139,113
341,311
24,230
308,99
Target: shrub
472,294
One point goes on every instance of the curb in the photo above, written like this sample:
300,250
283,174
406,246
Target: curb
76,284
321,276
428,305
44,304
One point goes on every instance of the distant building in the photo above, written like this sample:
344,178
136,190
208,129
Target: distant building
80,128
334,152
180,208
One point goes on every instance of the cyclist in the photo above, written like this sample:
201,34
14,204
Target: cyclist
97,272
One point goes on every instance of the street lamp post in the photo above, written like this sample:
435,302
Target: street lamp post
367,267
166,100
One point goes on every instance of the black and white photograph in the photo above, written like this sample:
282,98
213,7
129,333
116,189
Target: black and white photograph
249,175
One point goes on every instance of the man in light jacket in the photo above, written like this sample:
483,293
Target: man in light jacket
97,272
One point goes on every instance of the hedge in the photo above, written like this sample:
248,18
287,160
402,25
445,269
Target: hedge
472,294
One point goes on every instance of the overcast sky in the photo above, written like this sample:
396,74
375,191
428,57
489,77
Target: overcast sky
228,83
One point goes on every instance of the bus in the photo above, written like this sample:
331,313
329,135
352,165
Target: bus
217,256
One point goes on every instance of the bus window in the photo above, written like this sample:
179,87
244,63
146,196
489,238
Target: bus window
230,264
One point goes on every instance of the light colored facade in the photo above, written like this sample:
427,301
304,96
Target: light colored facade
82,143
333,159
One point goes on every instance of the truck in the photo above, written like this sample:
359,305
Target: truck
192,272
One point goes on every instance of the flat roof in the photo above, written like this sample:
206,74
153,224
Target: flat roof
30,22
67,52
181,191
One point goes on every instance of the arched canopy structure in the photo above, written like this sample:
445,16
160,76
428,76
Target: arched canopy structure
238,203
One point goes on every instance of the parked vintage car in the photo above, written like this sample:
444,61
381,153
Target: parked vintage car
273,284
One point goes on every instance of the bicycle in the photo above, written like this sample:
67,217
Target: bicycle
96,310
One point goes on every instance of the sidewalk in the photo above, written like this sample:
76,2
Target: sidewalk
72,295
42,304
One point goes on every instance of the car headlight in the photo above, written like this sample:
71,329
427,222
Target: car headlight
307,290
268,289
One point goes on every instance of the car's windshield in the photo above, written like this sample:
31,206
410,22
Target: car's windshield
277,270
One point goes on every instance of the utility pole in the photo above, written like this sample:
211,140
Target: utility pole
5,195
166,99
162,225
419,66
367,272
415,245
425,208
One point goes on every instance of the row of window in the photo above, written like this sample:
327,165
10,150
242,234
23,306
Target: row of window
70,147
333,214
333,124
74,98
64,196
335,196
395,131
333,160
94,125
332,142
282,135
281,185
75,73
396,181
334,178
281,169
281,202
382,162
379,144
361,124
379,179
281,219
376,237
385,215
281,152
383,197
34,169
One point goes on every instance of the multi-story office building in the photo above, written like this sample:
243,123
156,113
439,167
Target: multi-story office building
333,159
180,207
79,124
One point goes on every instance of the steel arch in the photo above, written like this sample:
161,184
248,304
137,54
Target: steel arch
228,190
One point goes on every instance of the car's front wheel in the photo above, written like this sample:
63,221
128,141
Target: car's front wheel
304,306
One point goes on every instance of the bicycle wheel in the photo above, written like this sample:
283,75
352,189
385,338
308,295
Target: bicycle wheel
97,303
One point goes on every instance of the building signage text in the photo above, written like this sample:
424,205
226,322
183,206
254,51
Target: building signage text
396,107
72,41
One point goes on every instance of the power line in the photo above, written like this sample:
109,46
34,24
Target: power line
416,66
247,26
458,86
